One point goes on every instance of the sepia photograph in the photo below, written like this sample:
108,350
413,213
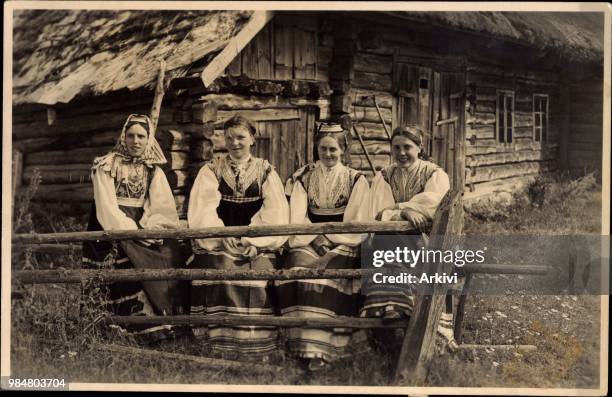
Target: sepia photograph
319,197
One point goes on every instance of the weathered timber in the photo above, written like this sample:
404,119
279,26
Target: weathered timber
65,173
200,131
379,161
486,146
78,155
72,276
17,170
525,348
173,138
510,157
363,114
480,131
418,346
365,151
528,74
341,104
372,147
213,363
176,161
201,150
204,111
371,131
373,81
507,185
344,322
259,115
91,122
159,96
222,231
243,102
480,118
70,193
500,171
363,97
58,249
371,63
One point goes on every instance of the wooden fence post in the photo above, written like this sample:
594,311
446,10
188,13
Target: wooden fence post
418,346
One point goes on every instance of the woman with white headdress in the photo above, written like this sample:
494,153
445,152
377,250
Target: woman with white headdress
324,191
131,192
238,189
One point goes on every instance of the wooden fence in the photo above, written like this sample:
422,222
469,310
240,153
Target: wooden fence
417,348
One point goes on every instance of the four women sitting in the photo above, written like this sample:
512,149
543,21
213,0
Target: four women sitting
239,189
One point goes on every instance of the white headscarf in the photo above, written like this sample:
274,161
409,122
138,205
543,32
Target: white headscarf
119,159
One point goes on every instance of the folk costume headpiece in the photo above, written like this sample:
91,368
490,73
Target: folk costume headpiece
119,157
333,130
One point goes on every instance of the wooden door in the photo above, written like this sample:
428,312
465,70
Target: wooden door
413,84
447,146
435,101
287,144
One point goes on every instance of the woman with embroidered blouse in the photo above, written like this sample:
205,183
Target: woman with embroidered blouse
409,189
324,191
236,190
131,192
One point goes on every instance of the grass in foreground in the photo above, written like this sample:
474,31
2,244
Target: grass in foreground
49,339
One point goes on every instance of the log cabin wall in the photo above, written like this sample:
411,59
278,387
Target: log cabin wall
63,142
585,141
501,163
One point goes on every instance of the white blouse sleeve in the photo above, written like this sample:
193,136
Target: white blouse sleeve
107,210
160,208
356,211
298,208
381,195
202,211
274,211
427,202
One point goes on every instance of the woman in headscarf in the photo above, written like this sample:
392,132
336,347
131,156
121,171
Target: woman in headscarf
409,189
324,191
236,190
131,192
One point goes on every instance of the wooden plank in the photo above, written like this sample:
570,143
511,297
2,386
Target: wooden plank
379,161
304,54
216,364
372,81
431,149
363,97
418,346
459,138
283,51
372,63
500,171
78,155
60,174
214,69
249,59
265,61
68,193
235,66
510,157
373,147
213,232
258,115
68,275
362,114
480,118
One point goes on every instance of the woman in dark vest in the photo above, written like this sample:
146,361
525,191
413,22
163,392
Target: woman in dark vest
324,191
236,190
132,192
409,189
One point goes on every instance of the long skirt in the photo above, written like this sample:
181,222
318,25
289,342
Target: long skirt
230,298
319,298
380,300
136,298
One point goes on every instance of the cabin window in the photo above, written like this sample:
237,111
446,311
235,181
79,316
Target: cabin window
505,116
540,117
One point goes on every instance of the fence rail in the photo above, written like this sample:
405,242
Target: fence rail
112,275
215,232
337,322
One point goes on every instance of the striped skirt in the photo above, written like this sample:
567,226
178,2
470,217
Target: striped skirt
230,298
319,298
